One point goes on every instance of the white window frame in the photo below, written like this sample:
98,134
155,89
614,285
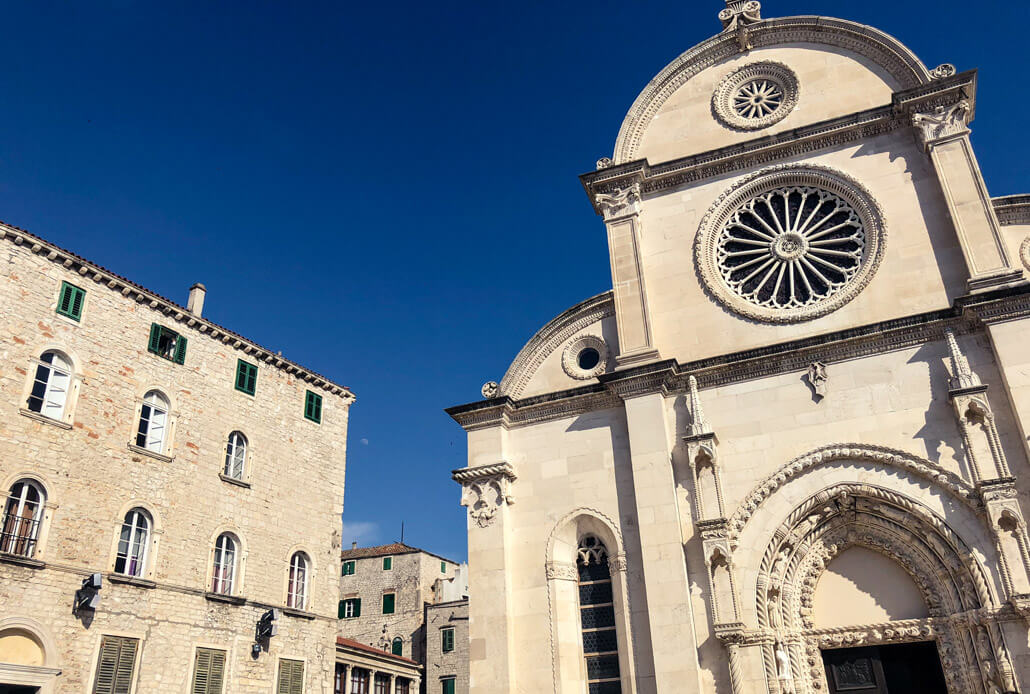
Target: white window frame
297,591
348,608
17,500
154,403
236,455
219,584
140,526
56,376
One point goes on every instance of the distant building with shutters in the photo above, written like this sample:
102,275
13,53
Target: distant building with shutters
200,474
389,594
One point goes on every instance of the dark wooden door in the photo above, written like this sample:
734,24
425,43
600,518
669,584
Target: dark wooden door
899,669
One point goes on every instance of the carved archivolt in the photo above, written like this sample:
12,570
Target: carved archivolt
879,455
1024,252
953,584
756,96
790,243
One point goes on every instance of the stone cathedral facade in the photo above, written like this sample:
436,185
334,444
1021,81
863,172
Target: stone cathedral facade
787,452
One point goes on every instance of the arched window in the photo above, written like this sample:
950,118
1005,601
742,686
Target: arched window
597,615
153,422
297,590
223,576
50,387
235,455
22,515
133,544
398,646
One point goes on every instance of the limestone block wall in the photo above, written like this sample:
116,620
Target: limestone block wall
293,499
440,665
369,583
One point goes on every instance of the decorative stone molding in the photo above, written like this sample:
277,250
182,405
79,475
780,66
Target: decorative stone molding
1012,209
570,357
561,571
756,96
818,379
620,201
490,390
942,71
875,45
604,163
617,563
485,490
879,455
793,295
740,12
943,123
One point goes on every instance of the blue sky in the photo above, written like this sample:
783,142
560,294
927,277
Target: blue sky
387,192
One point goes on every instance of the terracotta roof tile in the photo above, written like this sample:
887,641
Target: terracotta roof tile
351,643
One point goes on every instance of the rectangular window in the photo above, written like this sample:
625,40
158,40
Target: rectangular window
387,563
388,603
359,680
167,343
246,377
313,407
208,671
291,677
443,567
447,685
69,303
348,568
115,665
447,638
349,608
382,684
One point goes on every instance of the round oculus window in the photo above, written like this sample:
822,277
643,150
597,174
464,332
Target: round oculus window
756,96
790,245
585,357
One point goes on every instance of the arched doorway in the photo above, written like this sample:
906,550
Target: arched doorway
860,579
27,658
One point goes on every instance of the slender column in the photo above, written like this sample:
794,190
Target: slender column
664,569
945,134
348,674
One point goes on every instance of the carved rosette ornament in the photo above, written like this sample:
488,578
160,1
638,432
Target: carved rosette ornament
790,243
942,124
486,490
490,389
943,70
738,16
756,96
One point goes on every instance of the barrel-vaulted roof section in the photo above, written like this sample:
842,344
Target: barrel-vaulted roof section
881,48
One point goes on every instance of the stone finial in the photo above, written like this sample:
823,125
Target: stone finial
604,163
698,423
740,13
490,389
961,375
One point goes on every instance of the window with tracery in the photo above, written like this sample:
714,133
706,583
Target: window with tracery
597,616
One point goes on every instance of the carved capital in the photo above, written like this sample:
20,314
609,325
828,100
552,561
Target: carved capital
942,123
485,490
562,571
619,202
617,564
731,634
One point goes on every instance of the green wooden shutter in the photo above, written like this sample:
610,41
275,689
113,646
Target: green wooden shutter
388,603
388,564
448,686
116,665
209,671
340,609
448,640
180,350
246,377
443,567
313,406
155,338
357,607
70,302
398,647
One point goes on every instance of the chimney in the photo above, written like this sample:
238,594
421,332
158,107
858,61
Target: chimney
354,545
196,303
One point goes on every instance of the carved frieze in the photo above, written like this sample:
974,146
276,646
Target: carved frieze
561,571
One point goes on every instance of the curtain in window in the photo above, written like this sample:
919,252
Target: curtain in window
597,615
50,387
22,514
296,594
133,543
224,572
359,681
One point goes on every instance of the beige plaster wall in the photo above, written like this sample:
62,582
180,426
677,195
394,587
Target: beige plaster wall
685,124
861,586
92,479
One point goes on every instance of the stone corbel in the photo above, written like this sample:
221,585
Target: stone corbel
943,123
486,490
620,202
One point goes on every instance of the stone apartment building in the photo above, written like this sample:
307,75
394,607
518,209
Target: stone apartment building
788,451
408,602
199,474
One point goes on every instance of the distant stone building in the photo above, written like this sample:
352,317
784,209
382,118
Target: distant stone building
787,452
199,474
388,594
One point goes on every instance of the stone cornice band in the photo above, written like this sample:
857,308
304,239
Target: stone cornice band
471,474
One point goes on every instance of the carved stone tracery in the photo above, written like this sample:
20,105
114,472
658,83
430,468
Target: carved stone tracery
756,96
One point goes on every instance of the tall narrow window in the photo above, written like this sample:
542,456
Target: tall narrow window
50,387
223,576
246,377
398,646
597,615
401,686
291,677
115,665
359,680
389,600
382,683
69,302
153,422
235,455
387,563
22,515
297,591
313,407
133,544
447,685
447,639
208,671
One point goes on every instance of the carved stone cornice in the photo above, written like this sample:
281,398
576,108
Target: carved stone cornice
778,147
1012,209
171,310
470,474
640,380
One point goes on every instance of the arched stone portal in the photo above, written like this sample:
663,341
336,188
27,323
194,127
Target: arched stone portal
28,656
951,582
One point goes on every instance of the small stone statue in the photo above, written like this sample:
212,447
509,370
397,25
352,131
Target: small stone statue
817,378
782,663
490,389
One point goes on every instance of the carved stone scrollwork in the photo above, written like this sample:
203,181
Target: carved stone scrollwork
561,571
485,490
618,201
943,70
738,15
944,122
